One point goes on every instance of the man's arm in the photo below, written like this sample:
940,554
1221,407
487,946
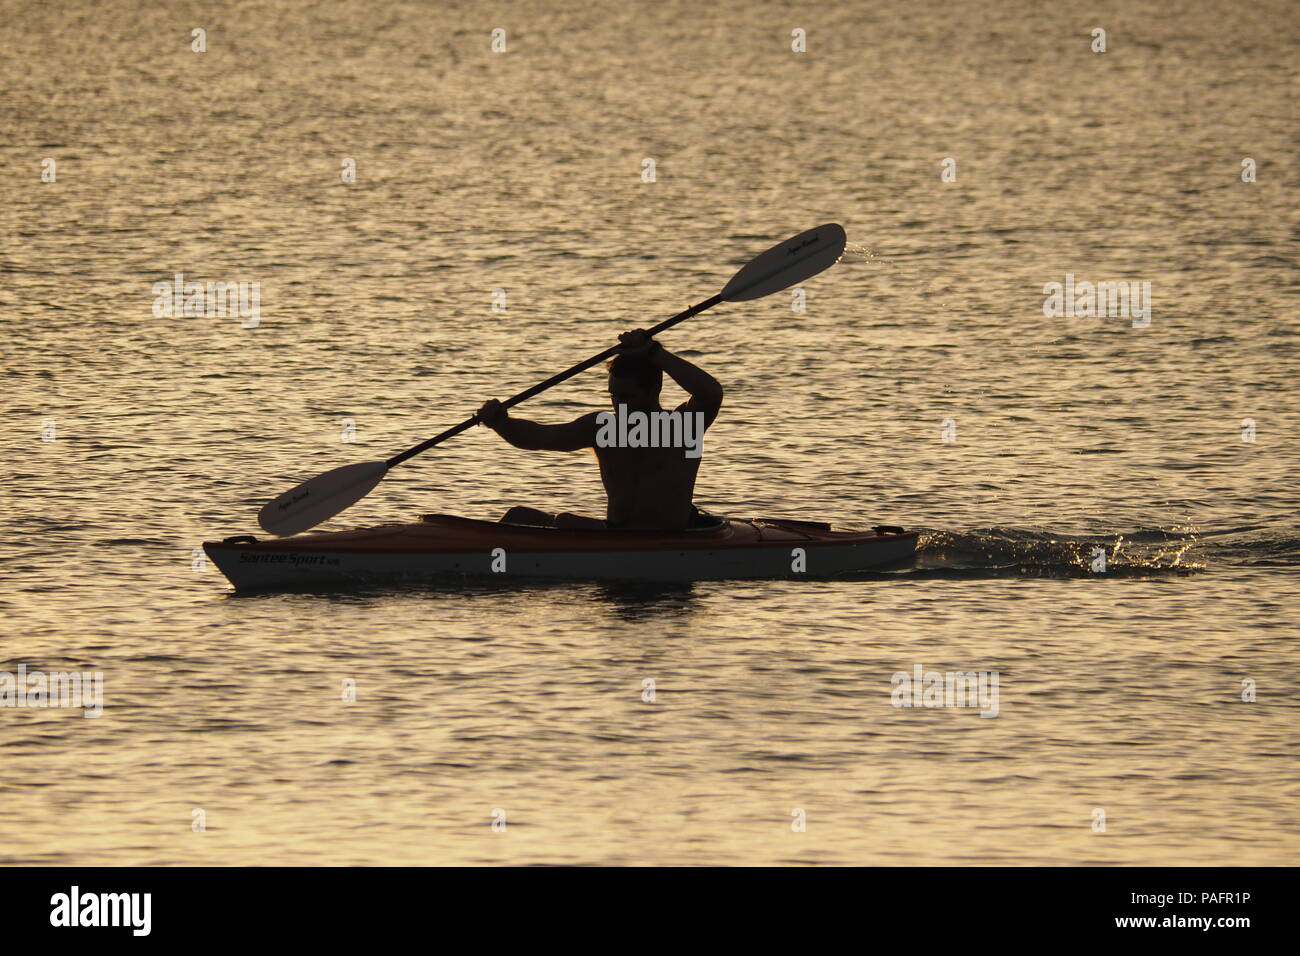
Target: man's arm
522,433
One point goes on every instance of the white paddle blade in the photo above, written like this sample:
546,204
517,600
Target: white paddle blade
787,263
320,498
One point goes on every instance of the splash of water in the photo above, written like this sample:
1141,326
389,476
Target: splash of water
857,253
1002,551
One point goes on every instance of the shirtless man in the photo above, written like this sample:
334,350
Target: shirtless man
646,488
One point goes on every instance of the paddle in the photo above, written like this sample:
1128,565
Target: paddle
324,496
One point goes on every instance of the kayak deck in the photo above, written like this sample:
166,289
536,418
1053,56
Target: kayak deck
446,544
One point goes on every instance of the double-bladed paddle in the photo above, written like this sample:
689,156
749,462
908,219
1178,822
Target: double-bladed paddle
324,496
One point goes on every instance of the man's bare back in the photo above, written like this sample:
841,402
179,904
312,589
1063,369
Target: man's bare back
645,487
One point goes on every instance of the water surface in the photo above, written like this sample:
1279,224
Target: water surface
1119,691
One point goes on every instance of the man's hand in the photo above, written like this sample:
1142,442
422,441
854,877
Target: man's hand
492,414
637,344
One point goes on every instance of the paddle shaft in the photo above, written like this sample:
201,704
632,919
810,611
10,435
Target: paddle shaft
553,380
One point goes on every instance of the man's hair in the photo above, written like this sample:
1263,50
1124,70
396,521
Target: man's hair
640,370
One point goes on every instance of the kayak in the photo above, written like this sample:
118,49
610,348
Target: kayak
447,545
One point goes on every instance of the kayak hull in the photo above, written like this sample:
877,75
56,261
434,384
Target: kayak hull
444,545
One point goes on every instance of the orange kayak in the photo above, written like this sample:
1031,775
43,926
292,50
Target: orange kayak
445,544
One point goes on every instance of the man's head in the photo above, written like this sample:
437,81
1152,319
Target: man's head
635,382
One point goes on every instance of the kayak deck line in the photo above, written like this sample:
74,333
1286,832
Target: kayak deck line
733,548
477,534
